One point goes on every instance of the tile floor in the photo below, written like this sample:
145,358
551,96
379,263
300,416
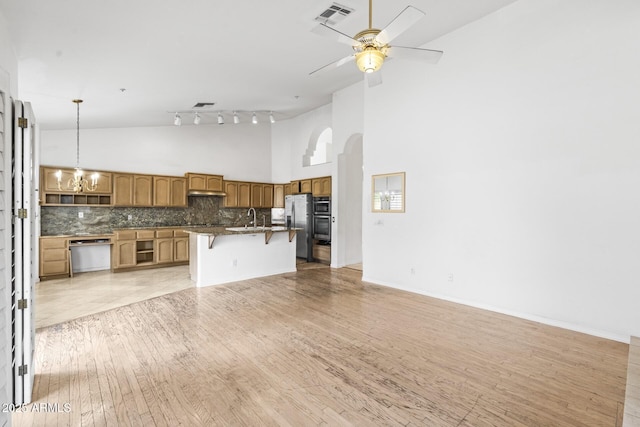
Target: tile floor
61,300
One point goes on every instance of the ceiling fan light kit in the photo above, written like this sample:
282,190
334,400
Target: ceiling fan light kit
371,45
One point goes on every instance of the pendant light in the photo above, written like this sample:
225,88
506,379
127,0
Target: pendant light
78,183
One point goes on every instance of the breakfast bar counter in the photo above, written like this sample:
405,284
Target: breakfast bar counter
220,255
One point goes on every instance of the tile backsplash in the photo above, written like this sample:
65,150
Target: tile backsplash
56,220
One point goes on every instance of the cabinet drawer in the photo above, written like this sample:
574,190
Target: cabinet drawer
125,235
164,233
55,255
146,234
54,268
53,243
180,233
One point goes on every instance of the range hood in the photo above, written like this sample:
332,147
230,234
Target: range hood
205,193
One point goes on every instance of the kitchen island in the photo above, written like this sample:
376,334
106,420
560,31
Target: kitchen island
220,255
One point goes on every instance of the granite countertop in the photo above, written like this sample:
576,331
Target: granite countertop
223,230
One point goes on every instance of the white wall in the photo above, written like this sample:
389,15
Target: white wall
235,151
522,164
348,124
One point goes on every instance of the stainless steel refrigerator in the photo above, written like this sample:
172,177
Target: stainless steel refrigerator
298,212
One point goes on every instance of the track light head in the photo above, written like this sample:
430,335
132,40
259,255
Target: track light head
236,119
196,119
220,119
254,119
271,119
177,120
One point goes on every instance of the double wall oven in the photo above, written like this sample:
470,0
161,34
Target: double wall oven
322,218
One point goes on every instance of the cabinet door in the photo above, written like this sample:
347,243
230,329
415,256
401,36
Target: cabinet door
256,195
197,182
178,192
103,186
50,181
164,250
231,199
142,194
244,195
181,249
124,254
295,187
278,196
267,196
326,186
305,186
214,182
122,189
316,187
161,191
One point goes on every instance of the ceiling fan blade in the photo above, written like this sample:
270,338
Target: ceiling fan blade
409,16
334,64
373,79
326,31
428,55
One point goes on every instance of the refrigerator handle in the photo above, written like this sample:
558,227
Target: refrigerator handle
293,212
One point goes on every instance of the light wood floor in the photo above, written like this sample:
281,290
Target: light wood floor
319,347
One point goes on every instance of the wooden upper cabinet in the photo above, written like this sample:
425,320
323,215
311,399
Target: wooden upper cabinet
244,195
305,186
178,192
161,191
169,191
202,182
294,187
49,180
231,198
321,186
278,195
122,189
142,190
267,195
256,195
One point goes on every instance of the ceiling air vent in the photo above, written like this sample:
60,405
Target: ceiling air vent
334,14
204,105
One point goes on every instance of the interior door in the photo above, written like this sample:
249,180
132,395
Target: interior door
23,244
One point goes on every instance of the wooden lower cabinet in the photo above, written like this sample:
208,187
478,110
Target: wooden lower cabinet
54,257
181,249
124,254
164,250
149,248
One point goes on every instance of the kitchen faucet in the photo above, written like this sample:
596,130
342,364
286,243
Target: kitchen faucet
254,217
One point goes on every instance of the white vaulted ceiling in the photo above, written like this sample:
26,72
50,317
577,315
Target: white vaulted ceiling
169,55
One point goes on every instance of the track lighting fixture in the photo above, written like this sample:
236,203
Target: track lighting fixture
199,115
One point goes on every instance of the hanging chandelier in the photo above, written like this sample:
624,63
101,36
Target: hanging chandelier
78,183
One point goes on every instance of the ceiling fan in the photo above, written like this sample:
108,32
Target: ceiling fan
371,46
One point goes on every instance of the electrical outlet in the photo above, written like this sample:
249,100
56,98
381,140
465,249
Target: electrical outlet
235,263
129,217
80,214
450,277
413,271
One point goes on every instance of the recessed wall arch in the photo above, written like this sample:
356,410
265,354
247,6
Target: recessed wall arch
319,148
